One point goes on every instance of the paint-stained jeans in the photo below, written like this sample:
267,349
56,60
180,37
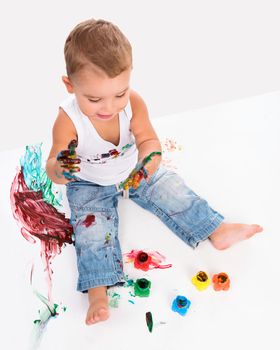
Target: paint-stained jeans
94,217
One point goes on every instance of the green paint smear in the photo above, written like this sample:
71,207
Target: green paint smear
114,299
36,177
45,314
128,281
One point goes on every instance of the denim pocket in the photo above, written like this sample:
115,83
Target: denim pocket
154,175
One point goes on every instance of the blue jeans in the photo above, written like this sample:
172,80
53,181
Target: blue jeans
94,217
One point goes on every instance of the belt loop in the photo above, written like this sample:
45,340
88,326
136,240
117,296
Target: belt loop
126,194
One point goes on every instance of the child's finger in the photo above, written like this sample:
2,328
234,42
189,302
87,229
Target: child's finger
68,176
74,170
71,168
70,160
63,154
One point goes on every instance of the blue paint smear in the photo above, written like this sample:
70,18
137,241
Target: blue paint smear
36,177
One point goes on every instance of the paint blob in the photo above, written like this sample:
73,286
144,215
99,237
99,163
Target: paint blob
89,220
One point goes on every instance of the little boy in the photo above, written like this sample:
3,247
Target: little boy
111,125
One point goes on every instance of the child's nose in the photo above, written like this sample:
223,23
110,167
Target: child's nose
108,107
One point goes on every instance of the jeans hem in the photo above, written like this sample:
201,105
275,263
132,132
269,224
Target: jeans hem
83,286
204,232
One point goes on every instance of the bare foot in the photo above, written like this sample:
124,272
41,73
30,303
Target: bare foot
228,234
98,305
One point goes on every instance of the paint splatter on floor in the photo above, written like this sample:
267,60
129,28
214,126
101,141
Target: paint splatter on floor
171,145
169,148
114,298
33,207
47,312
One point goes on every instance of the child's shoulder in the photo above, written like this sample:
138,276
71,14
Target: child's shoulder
63,125
63,132
68,102
138,105
140,122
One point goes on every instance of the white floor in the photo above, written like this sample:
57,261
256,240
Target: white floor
230,157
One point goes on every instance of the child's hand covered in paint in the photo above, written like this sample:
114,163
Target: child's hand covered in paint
141,171
135,177
67,162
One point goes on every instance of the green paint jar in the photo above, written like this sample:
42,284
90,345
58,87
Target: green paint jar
142,287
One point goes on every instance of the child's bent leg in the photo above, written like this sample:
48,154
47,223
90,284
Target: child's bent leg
94,218
183,211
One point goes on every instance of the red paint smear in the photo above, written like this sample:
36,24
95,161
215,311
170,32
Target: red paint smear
153,261
39,219
89,220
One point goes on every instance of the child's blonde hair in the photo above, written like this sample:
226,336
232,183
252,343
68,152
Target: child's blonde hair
100,43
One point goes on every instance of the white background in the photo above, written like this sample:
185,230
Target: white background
187,54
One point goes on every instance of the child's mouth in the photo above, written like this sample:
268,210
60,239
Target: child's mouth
103,116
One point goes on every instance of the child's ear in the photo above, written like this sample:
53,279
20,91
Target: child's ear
68,84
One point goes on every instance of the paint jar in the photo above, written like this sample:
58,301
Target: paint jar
142,261
142,287
221,281
181,305
201,280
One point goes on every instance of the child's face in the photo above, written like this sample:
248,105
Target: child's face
99,97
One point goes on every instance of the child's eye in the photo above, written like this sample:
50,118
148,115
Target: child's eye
93,100
121,95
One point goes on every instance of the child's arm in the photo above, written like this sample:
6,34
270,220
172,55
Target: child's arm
145,136
59,162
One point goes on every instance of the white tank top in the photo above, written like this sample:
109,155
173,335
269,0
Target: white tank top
101,161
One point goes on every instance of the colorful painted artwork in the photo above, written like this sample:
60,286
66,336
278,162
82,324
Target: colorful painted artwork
33,204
